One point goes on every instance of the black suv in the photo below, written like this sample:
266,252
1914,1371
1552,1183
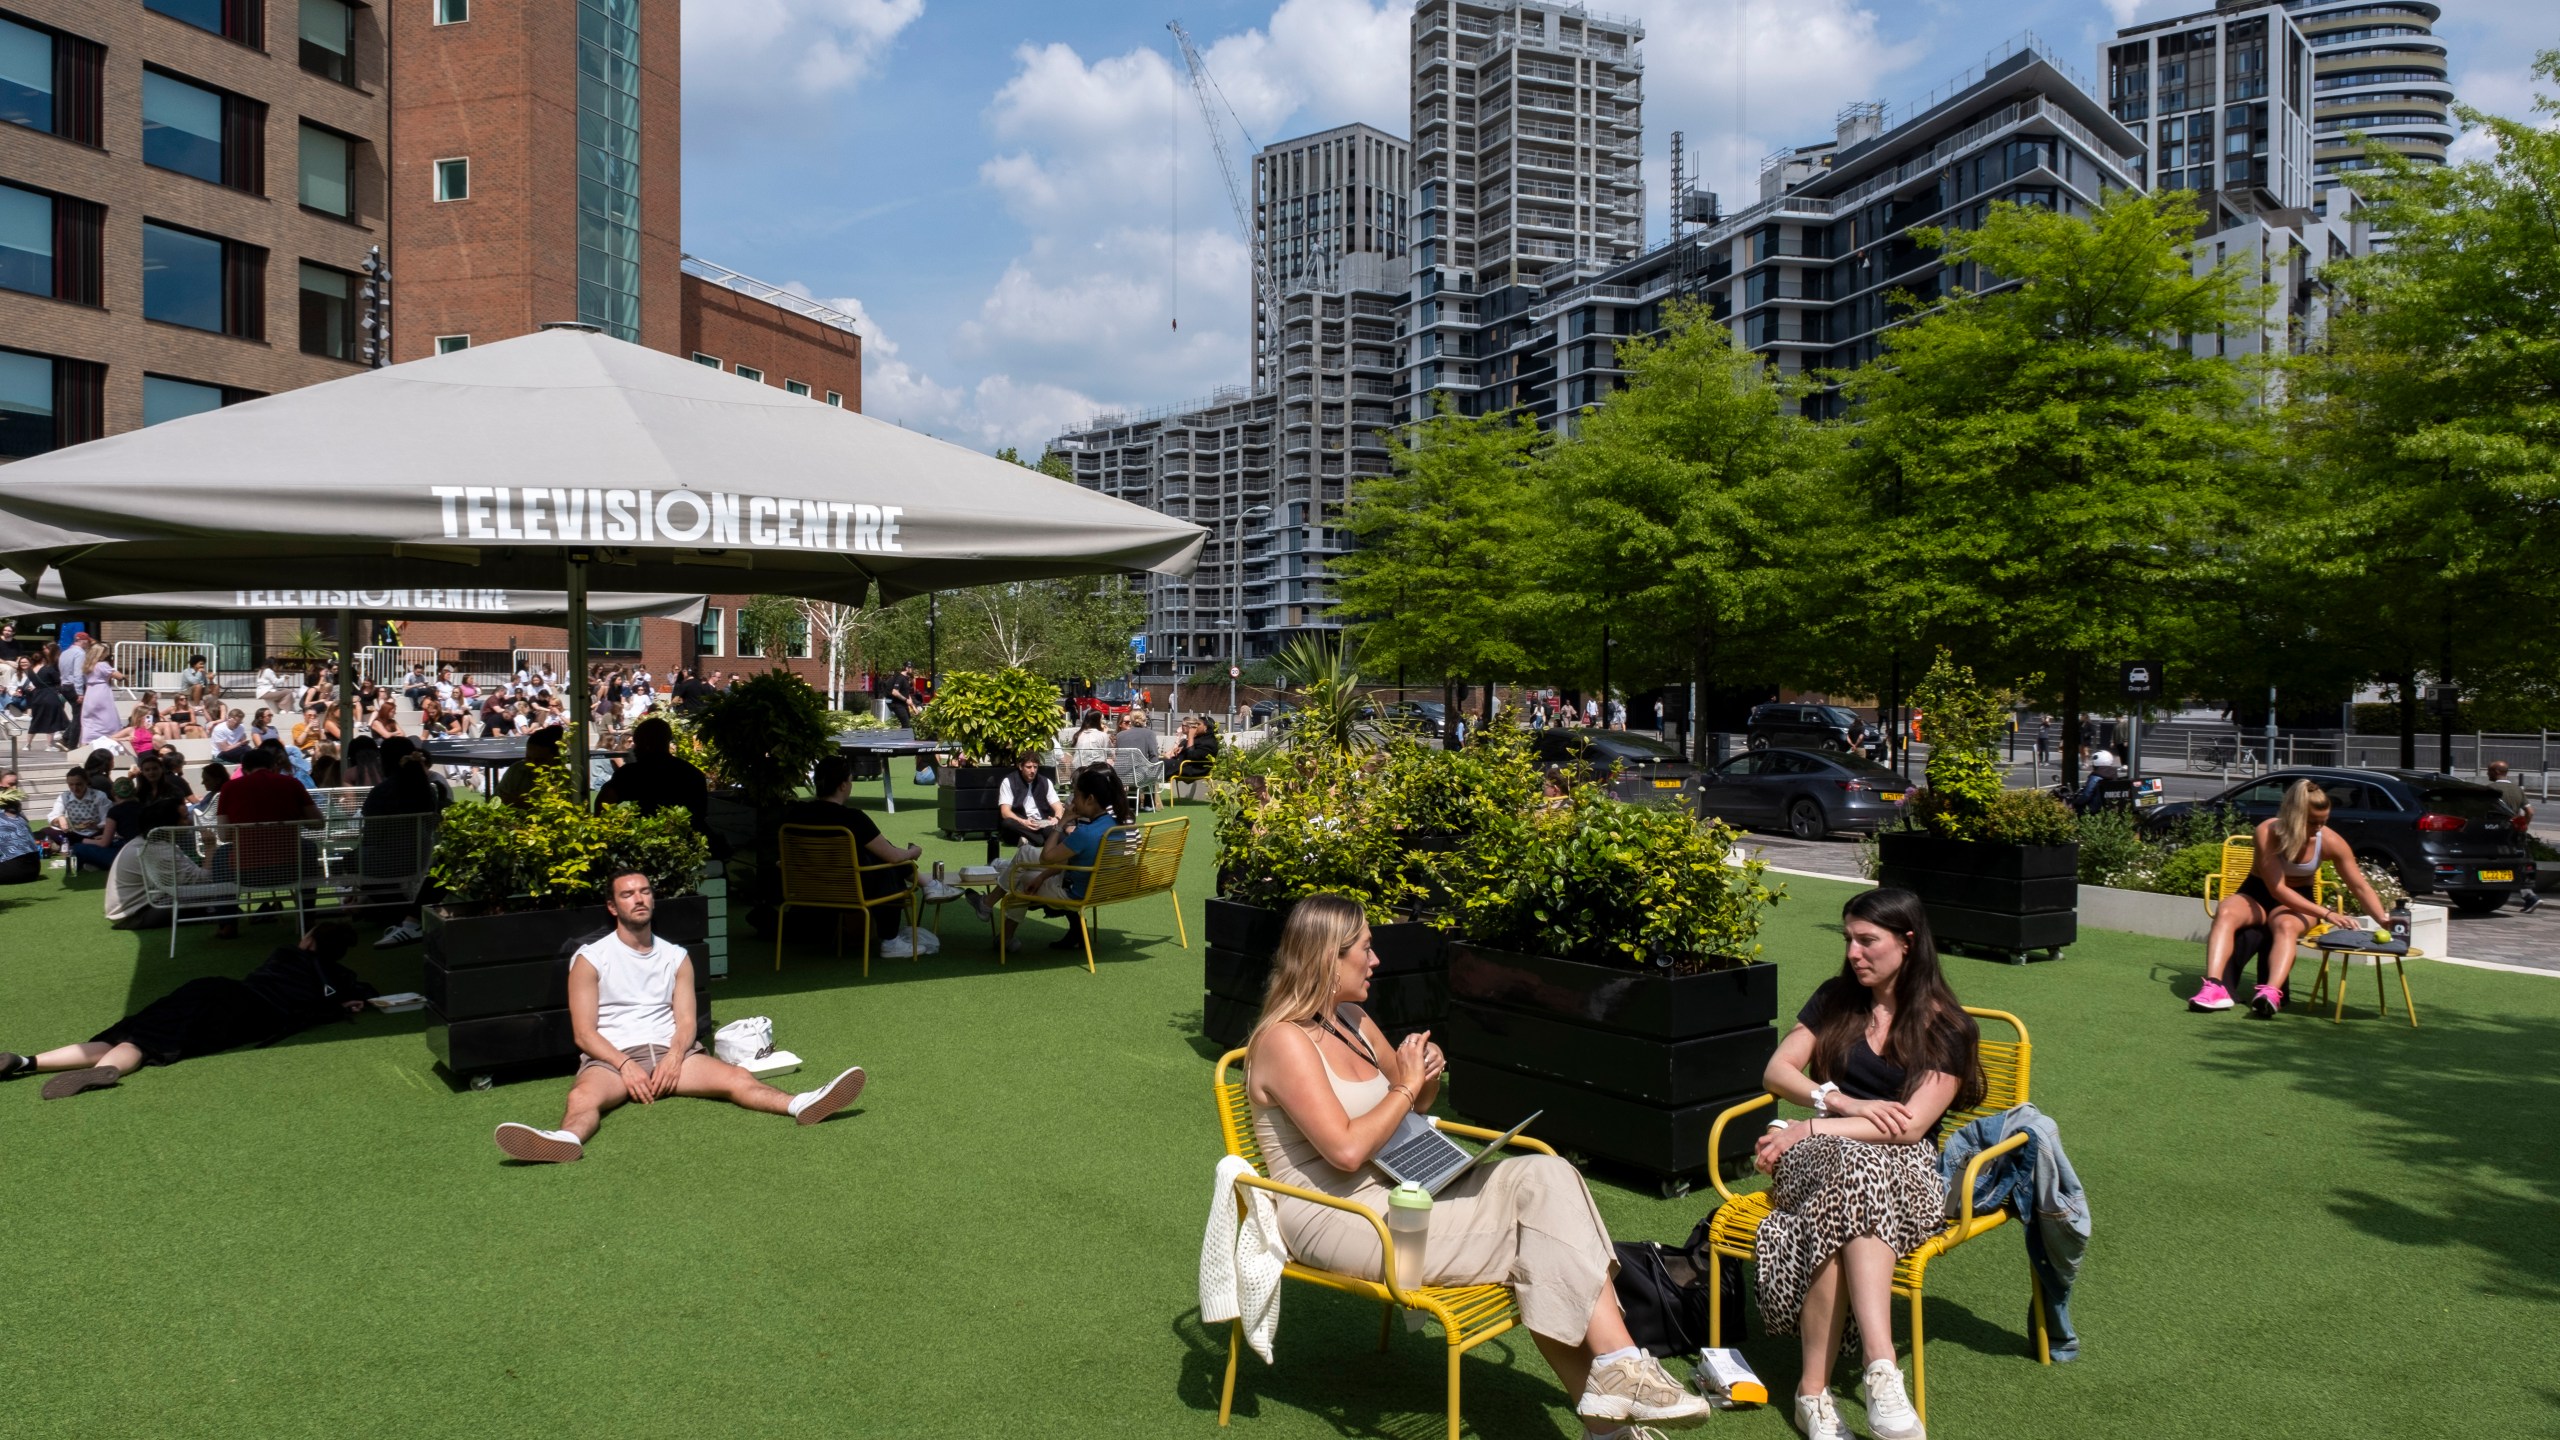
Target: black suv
1801,725
2437,833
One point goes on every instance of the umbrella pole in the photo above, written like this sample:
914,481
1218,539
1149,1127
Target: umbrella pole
584,715
346,696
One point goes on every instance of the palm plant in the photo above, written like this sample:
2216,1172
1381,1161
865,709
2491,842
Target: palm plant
1325,673
307,647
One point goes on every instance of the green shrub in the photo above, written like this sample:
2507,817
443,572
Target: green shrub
2184,871
764,733
993,716
1612,883
2029,817
1965,779
550,851
1293,823
2112,850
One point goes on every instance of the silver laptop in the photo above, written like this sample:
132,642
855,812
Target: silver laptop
1418,1154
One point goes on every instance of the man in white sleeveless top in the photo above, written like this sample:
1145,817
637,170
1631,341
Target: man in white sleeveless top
631,1007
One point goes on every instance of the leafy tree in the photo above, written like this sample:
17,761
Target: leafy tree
1679,516
2045,469
2432,419
1435,584
1071,629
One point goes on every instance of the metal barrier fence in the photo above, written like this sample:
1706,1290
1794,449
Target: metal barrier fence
210,873
384,664
556,661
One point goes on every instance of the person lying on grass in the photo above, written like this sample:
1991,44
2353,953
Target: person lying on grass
631,1008
298,987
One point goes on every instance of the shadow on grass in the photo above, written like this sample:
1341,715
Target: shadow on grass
2487,1171
1329,1367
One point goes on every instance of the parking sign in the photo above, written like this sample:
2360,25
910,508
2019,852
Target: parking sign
2141,679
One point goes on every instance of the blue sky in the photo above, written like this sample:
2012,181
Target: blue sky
1018,198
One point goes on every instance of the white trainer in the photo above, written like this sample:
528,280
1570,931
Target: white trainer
540,1147
811,1106
1889,1412
1818,1418
1638,1388
407,932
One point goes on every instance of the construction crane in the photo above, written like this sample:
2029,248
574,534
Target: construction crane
1212,100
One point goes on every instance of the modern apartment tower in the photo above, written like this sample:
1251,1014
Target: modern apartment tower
1528,124
2222,100
1266,470
2377,70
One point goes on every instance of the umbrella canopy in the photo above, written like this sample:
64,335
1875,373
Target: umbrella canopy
451,603
515,459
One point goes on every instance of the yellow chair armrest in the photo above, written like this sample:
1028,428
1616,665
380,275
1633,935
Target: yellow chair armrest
1386,1242
2212,884
1715,1139
1973,1169
1478,1132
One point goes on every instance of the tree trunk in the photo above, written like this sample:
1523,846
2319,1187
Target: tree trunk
2409,717
2071,725
1487,708
2444,710
1704,691
1448,712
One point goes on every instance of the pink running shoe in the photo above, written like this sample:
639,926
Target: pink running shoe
2211,997
2266,1002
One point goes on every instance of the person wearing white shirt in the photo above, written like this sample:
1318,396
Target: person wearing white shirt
230,737
631,1007
276,690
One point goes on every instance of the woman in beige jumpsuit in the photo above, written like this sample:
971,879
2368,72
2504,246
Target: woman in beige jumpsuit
1328,1092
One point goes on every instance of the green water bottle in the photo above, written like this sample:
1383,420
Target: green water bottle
1409,1223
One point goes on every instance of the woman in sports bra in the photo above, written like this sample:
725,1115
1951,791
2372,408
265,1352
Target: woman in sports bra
2280,894
1328,1092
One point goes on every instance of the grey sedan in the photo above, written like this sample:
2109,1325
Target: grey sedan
1807,793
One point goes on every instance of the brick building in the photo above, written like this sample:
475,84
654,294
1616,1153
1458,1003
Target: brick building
192,193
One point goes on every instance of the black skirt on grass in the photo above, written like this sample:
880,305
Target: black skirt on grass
202,1017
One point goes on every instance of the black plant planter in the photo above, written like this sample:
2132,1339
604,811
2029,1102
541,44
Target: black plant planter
1409,991
2007,900
1630,1066
497,986
965,808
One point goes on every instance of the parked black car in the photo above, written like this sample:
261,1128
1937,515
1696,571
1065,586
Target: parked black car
1808,793
2439,835
1636,767
1801,726
1429,718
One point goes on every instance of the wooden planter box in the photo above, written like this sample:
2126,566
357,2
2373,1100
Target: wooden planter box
497,986
1408,992
1630,1066
1985,895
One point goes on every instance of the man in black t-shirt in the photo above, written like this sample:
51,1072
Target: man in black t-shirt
654,779
832,784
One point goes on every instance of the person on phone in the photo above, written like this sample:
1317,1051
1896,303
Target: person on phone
1328,1092
2281,894
298,987
1880,1054
631,1008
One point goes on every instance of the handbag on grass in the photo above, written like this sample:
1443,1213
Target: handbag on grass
1662,1290
742,1042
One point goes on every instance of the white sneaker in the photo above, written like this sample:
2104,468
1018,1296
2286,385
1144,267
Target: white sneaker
1638,1388
1818,1418
811,1106
1889,1412
407,932
900,946
939,890
541,1147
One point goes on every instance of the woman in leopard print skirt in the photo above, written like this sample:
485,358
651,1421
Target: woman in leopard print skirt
1880,1054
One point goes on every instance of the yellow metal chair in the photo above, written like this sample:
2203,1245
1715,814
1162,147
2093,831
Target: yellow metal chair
2239,854
1136,861
2239,857
1734,1229
1469,1315
822,869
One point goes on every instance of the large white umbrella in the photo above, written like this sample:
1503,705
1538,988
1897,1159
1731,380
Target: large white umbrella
456,602
550,461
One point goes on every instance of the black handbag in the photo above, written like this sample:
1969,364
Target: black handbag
1662,1290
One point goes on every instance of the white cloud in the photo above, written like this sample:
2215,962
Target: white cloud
1744,77
750,59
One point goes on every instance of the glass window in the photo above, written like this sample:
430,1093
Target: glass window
26,404
796,387
327,170
26,241
453,180
181,126
620,636
447,344
796,644
701,359
708,632
26,75
181,277
203,14
836,398
328,39
328,312
167,399
749,372
452,12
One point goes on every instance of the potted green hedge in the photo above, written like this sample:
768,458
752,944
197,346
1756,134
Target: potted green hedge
988,720
1608,974
1997,868
523,887
760,737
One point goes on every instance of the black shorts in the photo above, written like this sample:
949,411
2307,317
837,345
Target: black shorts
2254,888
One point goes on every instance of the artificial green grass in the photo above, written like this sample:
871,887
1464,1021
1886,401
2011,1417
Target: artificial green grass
2301,1229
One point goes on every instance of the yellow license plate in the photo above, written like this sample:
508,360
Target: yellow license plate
1893,797
2489,876
1666,784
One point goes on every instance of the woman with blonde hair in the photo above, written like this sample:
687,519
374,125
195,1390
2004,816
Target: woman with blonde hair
2280,895
1328,1093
